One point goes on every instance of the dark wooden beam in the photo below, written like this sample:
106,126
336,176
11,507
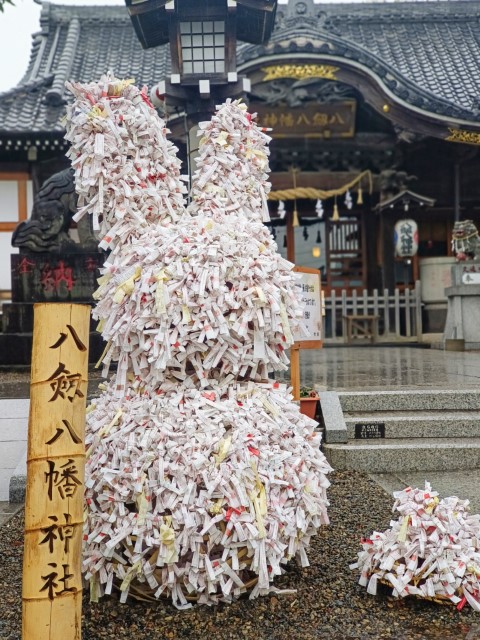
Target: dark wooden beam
316,180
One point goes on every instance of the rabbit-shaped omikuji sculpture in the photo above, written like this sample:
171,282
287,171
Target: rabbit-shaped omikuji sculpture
203,478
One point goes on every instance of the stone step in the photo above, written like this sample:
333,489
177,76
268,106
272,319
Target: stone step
410,400
419,424
393,455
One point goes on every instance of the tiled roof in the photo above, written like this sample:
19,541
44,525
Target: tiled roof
428,53
76,43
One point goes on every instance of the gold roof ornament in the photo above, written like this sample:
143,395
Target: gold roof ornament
464,136
300,71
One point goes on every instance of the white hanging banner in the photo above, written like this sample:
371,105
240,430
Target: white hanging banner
406,238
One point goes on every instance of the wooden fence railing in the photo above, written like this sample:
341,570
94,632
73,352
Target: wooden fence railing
399,314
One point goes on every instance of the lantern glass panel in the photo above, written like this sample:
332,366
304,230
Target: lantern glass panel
204,44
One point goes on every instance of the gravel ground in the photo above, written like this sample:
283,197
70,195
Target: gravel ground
328,603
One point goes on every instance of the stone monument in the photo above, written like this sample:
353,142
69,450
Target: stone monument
58,262
463,312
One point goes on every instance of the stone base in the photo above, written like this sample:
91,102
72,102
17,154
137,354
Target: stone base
16,348
434,316
17,488
44,277
17,317
463,315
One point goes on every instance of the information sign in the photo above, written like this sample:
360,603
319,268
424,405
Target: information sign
471,278
309,283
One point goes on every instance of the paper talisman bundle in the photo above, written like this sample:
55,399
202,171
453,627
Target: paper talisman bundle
203,478
432,551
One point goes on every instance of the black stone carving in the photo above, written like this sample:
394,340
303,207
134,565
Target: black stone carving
48,228
294,93
51,267
405,135
393,182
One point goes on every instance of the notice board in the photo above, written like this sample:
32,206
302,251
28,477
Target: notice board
310,285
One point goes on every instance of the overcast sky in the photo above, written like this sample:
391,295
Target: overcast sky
17,24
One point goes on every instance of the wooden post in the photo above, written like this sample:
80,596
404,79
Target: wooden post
418,311
52,583
387,311
397,312
295,371
408,323
290,232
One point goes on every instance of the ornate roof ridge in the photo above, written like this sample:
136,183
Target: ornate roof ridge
378,12
66,12
408,12
29,85
427,7
430,11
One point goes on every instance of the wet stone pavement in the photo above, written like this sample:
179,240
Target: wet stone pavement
389,368
342,369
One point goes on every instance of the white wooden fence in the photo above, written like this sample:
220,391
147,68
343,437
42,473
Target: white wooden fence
400,313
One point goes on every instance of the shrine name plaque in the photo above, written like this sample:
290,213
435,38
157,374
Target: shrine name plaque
330,120
369,430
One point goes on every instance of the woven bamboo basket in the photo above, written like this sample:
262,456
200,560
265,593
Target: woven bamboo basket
439,599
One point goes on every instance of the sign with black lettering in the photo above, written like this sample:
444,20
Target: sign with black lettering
369,430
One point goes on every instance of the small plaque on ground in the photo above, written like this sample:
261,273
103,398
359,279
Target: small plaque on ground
369,430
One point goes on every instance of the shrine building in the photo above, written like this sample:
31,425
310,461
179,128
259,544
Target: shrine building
374,110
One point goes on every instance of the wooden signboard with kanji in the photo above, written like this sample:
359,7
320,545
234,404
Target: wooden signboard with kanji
52,582
314,120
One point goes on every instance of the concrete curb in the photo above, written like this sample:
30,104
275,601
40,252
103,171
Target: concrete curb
18,481
335,426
